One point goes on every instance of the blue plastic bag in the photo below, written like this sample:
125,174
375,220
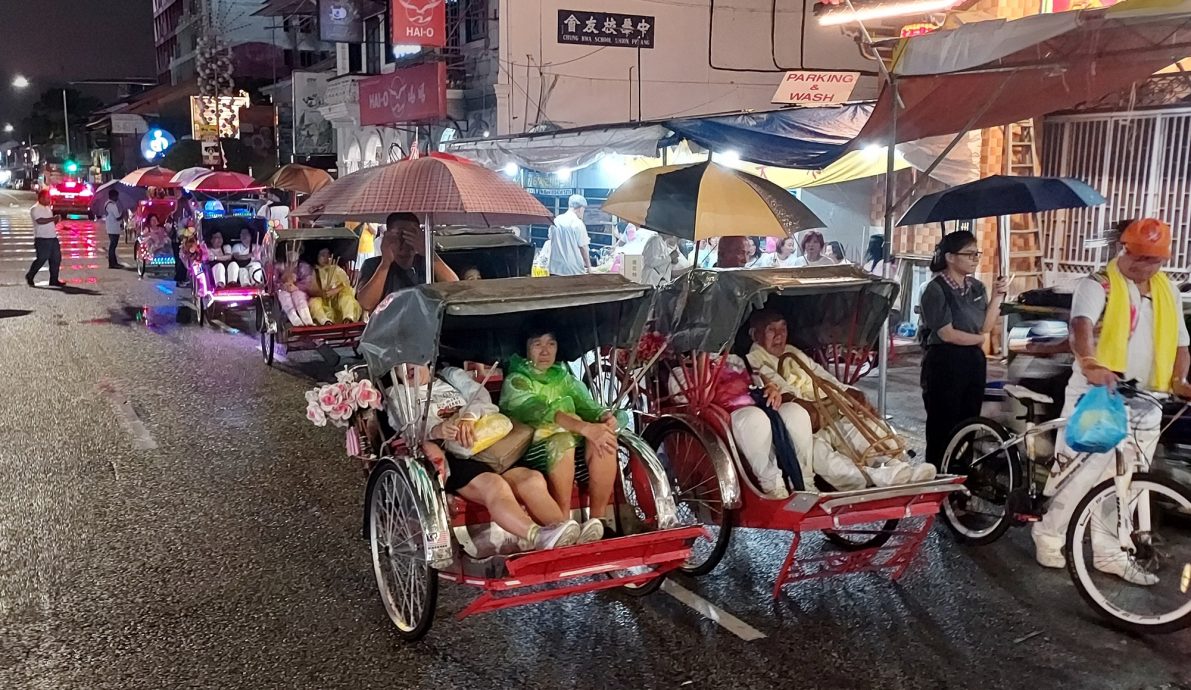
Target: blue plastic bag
1099,422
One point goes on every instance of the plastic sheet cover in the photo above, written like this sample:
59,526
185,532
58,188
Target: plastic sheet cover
707,310
488,320
806,138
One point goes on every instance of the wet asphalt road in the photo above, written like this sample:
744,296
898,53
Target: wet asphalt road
216,544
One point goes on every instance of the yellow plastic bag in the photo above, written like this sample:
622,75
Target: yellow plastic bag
488,430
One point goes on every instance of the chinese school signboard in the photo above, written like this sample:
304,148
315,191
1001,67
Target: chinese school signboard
802,87
605,29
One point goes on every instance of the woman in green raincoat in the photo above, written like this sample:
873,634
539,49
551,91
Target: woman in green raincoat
541,393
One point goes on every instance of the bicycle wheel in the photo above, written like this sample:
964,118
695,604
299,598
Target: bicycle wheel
1159,599
697,496
982,516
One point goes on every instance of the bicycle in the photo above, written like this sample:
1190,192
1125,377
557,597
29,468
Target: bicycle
1006,473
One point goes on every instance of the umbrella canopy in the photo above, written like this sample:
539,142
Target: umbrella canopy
705,200
1001,195
454,192
129,197
185,177
302,179
216,182
153,176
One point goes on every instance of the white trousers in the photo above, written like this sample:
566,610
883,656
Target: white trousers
247,275
754,438
1145,422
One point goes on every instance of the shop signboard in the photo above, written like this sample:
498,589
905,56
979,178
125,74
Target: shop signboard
412,94
807,87
155,143
418,23
221,116
212,151
313,134
128,124
340,21
605,29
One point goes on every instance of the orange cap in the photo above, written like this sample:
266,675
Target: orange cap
1147,237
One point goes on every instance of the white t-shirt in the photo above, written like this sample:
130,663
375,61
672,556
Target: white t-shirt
567,235
111,218
43,230
1089,300
773,260
823,260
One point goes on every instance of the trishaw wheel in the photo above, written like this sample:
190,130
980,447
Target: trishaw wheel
863,536
981,515
204,315
635,511
268,345
697,496
408,585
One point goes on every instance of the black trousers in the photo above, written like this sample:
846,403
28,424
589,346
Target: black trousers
113,240
48,249
180,275
953,378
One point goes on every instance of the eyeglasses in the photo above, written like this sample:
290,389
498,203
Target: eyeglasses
971,255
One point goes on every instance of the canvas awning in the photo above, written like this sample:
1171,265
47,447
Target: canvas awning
960,79
549,151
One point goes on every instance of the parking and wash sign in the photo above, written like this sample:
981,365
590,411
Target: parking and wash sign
607,29
801,87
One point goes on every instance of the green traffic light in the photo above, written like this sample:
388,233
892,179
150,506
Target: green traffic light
72,167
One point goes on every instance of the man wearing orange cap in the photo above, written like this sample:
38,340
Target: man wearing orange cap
1126,323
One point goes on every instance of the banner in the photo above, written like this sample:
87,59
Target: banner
418,23
340,21
803,87
313,134
607,29
413,94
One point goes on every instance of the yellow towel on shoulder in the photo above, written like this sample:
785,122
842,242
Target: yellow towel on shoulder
1117,326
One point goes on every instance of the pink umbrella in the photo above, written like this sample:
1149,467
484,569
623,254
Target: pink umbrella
449,189
153,176
217,182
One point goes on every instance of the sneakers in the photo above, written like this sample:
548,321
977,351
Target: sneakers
29,281
922,472
557,535
778,493
893,473
1124,567
1049,558
593,530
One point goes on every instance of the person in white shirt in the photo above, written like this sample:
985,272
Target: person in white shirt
45,239
220,258
246,269
569,255
112,217
783,257
812,251
275,212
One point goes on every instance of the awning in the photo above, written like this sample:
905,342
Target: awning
551,151
960,79
806,138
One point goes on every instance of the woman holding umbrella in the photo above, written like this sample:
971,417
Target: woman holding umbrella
956,316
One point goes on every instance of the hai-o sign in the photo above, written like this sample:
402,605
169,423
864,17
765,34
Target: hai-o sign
802,87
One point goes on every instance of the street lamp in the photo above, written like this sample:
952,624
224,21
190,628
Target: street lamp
8,128
20,82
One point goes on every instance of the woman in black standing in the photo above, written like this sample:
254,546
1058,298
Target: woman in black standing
956,315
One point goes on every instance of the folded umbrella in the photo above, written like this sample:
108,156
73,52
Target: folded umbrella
1001,195
705,200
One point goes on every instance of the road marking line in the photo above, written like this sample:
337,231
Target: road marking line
725,620
126,416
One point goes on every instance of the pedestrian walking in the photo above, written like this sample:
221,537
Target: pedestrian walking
1126,323
45,239
112,215
956,315
569,255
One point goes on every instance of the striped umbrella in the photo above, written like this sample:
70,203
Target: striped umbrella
188,175
223,181
153,176
454,192
705,200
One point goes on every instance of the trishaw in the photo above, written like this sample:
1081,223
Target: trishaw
703,316
493,252
416,530
206,294
275,329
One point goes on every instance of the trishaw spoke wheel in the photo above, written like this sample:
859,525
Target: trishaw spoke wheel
407,584
638,514
697,496
982,515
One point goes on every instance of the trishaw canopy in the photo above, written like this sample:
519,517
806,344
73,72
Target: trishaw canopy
488,320
344,243
499,254
704,310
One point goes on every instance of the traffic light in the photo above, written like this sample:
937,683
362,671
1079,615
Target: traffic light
71,167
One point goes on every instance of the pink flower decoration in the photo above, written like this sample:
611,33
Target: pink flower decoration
329,397
315,414
366,395
341,412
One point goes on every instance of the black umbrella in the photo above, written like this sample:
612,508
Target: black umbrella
1001,195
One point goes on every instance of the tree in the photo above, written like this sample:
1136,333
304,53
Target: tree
44,123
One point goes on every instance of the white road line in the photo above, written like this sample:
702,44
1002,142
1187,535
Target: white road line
126,416
725,620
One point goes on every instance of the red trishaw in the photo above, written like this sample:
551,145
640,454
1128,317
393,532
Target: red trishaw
703,317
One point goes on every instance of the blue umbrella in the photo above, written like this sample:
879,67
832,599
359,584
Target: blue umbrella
1001,195
129,197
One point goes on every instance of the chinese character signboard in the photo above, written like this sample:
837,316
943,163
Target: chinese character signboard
608,29
340,21
418,23
413,94
802,87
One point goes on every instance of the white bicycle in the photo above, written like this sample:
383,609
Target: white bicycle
1005,476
